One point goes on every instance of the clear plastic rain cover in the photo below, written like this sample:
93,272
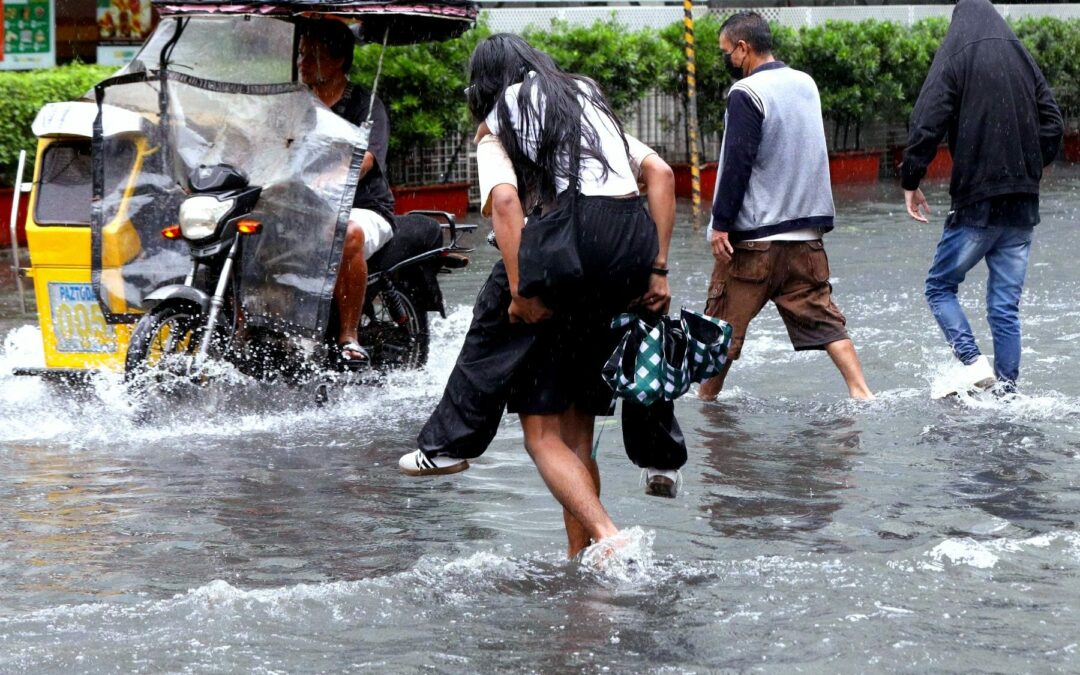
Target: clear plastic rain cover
305,158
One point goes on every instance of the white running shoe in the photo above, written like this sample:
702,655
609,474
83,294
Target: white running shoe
976,375
416,463
659,483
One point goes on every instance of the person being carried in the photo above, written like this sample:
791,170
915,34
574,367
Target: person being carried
985,92
773,203
325,57
467,417
543,117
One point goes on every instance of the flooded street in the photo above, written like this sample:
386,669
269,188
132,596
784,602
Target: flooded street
251,531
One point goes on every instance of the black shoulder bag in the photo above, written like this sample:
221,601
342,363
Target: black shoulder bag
549,263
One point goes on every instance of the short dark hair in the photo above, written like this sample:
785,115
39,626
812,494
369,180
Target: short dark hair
751,28
338,39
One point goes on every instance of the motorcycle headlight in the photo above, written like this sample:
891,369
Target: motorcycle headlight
199,215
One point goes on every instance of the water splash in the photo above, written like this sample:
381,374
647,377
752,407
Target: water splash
1048,405
624,558
987,554
231,405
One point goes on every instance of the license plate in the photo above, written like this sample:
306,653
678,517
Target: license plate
78,324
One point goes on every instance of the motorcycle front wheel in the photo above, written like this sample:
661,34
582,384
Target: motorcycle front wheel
160,355
165,340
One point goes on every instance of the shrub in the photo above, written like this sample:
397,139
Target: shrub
865,71
914,51
845,59
1054,44
712,79
422,86
23,94
627,65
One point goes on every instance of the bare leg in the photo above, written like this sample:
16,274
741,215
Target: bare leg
711,387
577,433
566,476
843,355
351,284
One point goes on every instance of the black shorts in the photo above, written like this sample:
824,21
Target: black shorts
617,242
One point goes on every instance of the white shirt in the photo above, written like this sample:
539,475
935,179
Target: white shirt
591,180
495,168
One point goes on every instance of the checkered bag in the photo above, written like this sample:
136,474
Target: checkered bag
660,361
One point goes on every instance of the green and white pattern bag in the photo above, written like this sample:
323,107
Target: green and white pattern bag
659,362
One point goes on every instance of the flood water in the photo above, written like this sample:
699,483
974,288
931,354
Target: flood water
251,531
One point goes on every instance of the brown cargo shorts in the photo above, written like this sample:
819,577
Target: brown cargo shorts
794,275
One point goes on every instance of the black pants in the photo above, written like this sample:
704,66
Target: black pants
475,397
467,417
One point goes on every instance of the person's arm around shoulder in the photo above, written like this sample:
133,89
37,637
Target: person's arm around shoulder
507,219
659,182
934,110
499,198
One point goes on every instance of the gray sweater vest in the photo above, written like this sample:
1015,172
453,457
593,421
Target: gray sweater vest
789,185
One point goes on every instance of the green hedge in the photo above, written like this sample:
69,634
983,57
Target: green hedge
626,65
1055,45
422,86
23,94
866,71
872,70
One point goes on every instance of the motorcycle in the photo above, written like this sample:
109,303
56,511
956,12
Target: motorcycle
223,242
200,318
216,85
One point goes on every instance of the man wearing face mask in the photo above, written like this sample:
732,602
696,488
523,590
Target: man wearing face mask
772,204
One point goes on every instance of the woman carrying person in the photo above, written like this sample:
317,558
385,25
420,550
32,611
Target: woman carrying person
545,119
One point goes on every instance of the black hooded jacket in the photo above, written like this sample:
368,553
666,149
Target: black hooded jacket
987,94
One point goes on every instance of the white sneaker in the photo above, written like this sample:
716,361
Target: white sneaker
976,375
659,483
416,463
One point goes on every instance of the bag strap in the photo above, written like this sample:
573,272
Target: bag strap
575,168
575,159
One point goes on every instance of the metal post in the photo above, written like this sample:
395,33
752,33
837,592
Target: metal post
15,228
691,109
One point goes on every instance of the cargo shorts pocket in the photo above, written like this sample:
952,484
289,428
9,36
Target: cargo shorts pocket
717,282
750,261
819,261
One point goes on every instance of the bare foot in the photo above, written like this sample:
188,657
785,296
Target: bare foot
709,390
599,553
626,556
862,393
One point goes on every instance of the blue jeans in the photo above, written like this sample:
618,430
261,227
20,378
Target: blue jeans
1006,252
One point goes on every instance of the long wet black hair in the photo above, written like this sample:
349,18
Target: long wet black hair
503,60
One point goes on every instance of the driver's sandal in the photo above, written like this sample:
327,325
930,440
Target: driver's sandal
347,362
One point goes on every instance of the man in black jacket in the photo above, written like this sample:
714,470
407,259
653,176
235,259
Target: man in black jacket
987,95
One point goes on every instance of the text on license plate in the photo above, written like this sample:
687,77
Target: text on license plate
78,324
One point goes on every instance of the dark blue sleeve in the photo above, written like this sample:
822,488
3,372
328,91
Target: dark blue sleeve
741,140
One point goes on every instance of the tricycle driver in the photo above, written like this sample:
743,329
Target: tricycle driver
325,57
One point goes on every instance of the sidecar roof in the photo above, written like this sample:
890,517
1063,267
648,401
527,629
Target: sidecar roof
407,21
76,118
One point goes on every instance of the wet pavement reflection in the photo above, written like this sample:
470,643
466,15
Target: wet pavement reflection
249,530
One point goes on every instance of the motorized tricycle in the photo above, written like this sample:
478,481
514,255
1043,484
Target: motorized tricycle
197,208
